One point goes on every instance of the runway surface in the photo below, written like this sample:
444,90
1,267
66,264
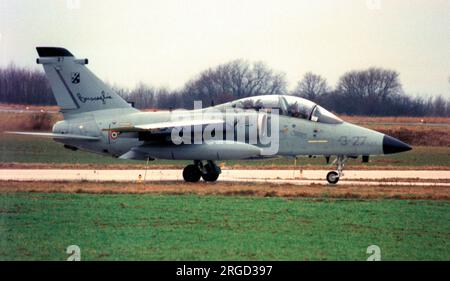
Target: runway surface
306,177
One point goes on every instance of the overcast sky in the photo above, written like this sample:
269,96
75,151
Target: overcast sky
167,42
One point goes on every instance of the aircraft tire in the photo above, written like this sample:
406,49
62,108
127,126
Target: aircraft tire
333,177
191,173
211,174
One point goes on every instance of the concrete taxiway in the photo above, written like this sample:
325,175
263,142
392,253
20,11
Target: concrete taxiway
298,177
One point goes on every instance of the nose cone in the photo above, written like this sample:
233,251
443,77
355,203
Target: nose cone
393,145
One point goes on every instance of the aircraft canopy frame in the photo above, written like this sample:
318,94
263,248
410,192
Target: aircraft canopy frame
286,105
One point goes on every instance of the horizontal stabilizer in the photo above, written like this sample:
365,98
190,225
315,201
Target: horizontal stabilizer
55,136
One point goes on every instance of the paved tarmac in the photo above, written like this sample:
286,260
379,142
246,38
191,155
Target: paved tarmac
298,177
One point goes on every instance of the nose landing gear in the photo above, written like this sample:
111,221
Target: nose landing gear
209,172
333,176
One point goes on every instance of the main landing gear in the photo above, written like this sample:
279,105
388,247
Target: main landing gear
209,172
333,176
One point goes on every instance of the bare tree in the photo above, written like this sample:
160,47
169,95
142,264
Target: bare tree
233,80
439,106
369,89
311,87
20,85
143,96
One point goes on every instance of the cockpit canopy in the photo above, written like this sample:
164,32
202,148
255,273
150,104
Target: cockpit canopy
291,106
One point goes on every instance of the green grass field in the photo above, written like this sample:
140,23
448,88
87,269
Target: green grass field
38,226
33,150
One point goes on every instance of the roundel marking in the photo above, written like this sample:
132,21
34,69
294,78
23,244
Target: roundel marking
114,135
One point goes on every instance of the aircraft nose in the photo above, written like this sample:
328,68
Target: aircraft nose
393,145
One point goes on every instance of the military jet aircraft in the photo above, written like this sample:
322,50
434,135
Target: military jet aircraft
98,120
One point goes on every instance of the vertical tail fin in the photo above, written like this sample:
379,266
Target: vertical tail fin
75,87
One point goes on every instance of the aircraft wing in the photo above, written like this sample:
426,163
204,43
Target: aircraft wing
55,136
163,126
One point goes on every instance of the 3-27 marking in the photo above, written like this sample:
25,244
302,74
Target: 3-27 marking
354,141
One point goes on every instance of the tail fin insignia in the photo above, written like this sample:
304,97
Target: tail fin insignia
75,87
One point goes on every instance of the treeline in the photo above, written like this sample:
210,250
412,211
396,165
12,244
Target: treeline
24,86
227,82
374,91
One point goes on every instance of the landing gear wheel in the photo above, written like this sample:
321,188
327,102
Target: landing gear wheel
211,173
333,177
191,173
210,177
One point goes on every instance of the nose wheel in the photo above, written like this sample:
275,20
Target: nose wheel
209,172
333,176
